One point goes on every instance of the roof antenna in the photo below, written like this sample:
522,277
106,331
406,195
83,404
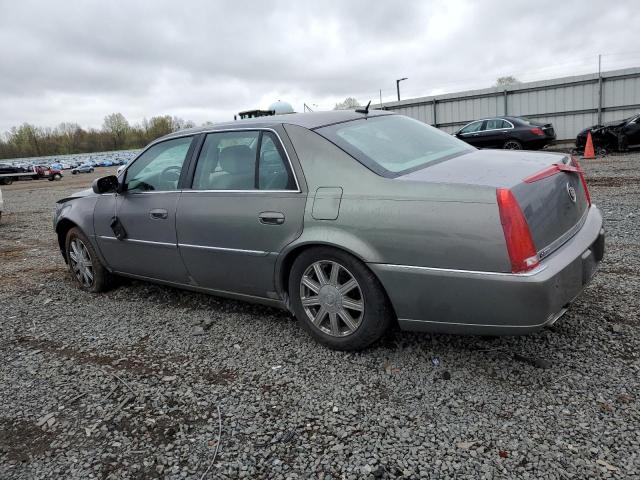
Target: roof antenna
364,110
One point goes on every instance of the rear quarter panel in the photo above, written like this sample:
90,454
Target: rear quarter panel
384,220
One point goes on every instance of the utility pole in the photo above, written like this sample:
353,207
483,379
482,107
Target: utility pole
398,86
599,89
380,98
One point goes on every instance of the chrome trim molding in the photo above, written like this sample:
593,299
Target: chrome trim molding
225,130
142,242
259,253
565,237
191,191
551,319
530,273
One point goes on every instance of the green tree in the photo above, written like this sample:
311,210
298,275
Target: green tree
117,127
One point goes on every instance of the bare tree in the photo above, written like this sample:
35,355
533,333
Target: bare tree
348,104
506,81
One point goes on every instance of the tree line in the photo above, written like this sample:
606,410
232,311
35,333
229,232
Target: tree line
116,134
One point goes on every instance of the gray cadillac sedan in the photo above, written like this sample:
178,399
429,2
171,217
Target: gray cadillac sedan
351,220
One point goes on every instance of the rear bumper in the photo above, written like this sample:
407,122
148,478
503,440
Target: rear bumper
538,143
493,303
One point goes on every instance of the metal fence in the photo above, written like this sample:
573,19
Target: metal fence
570,103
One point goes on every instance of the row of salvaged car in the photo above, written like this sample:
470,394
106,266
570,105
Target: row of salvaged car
516,133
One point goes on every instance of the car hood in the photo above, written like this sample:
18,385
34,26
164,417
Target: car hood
491,168
82,193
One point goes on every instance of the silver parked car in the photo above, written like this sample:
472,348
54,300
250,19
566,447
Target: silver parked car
351,220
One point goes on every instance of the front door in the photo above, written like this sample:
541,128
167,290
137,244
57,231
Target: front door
244,207
632,131
146,211
469,133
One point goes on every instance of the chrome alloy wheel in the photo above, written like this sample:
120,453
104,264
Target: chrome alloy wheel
512,145
81,263
332,298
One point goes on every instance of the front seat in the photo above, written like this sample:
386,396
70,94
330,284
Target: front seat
237,163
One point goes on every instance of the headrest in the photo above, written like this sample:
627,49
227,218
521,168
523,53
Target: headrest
237,159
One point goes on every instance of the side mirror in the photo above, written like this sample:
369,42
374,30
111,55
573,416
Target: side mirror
107,184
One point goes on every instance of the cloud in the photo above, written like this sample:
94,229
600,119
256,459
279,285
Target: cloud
206,60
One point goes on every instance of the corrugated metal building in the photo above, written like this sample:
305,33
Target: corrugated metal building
570,103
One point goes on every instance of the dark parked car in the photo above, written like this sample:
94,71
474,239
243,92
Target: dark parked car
87,168
349,220
511,133
619,135
10,168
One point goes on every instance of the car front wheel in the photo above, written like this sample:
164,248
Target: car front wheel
88,272
338,300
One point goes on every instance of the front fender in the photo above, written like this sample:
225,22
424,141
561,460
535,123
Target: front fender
75,212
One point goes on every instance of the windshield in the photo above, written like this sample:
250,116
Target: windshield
393,145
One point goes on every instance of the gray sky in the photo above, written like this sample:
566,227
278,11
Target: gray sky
77,61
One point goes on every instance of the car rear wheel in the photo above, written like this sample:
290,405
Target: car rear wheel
88,272
338,300
512,145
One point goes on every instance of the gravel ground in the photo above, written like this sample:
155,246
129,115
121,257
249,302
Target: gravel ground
118,386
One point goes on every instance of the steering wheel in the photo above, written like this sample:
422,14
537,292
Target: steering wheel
171,174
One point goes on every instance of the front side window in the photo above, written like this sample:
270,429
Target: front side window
472,127
159,167
394,145
244,160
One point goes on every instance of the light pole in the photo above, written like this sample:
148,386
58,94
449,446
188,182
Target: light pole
398,86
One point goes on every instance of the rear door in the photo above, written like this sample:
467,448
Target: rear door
147,213
244,207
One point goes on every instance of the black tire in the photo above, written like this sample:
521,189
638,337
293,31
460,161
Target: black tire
57,176
7,181
102,279
377,313
623,143
73,172
512,145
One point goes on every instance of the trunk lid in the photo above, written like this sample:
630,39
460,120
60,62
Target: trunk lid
547,202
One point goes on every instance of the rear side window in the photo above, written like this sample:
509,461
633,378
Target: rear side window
496,124
245,160
394,145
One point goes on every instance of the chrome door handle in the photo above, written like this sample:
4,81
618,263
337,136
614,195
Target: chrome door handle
271,218
158,214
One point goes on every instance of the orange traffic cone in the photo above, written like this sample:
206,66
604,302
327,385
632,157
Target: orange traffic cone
588,148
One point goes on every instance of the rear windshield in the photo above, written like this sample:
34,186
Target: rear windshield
393,145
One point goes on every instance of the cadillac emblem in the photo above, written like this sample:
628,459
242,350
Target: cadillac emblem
572,193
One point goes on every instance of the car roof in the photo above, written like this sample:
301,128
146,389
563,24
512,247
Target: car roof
308,120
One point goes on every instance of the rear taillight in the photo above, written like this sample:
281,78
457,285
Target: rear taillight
537,131
582,179
522,251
